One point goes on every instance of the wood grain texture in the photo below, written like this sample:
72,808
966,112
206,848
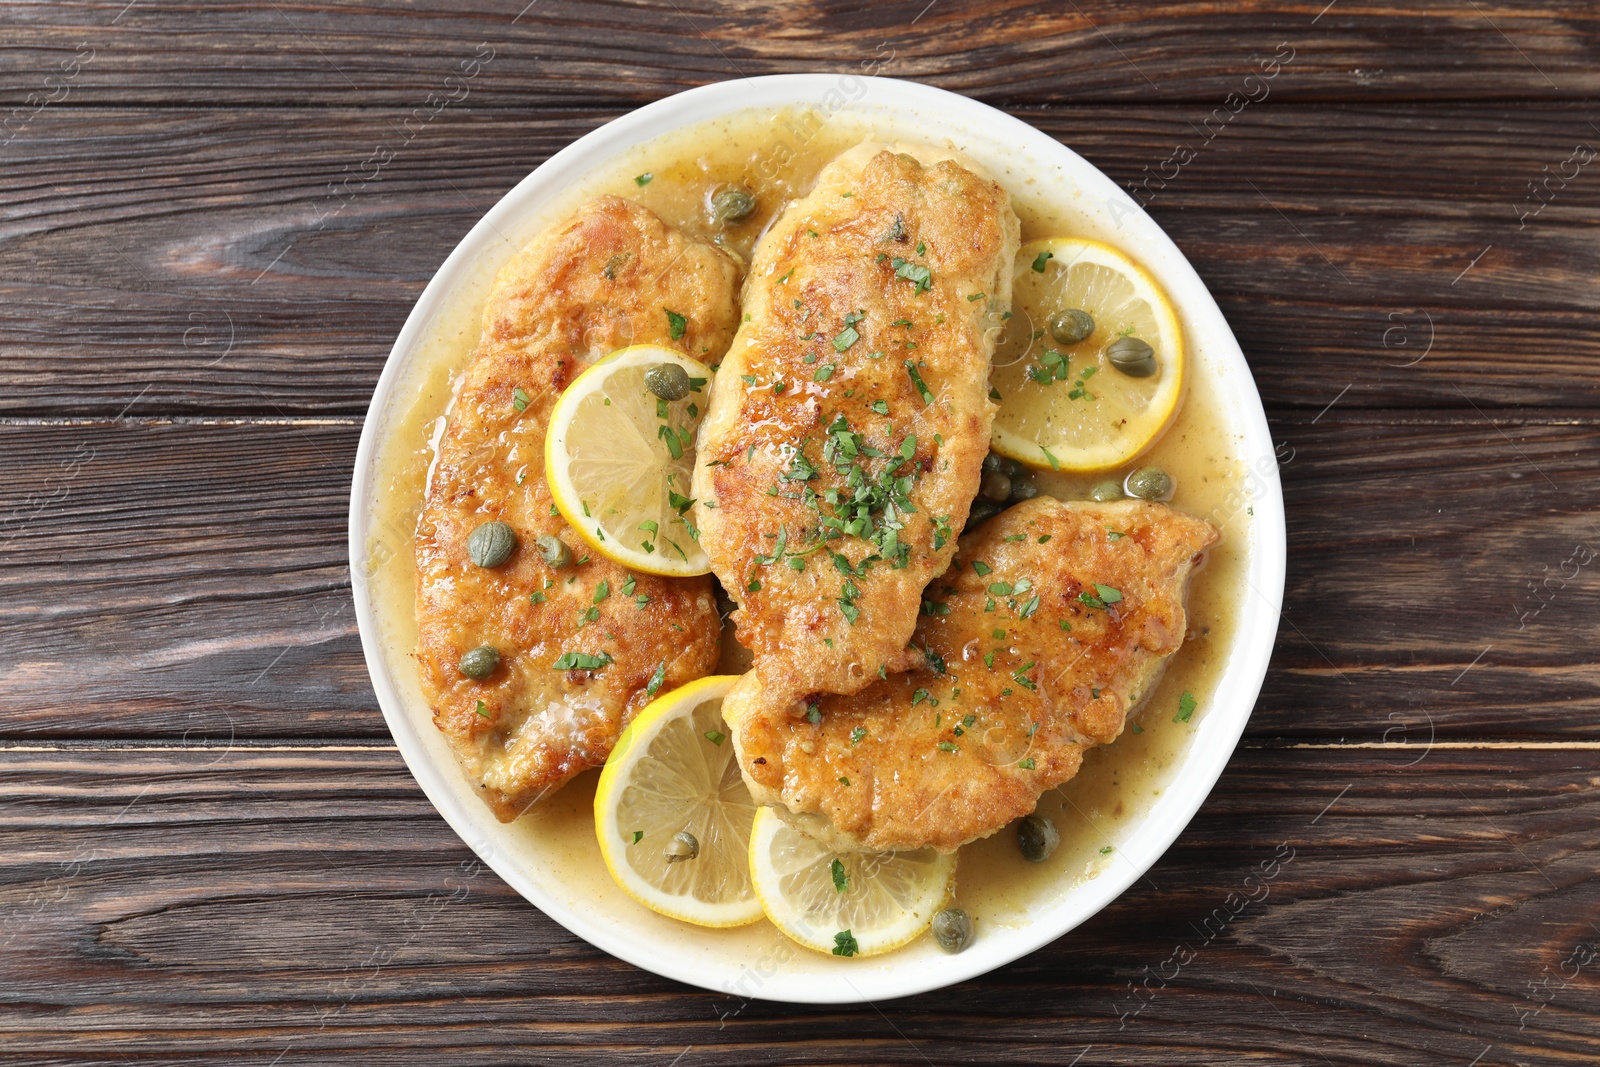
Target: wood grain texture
235,905
209,852
236,262
212,598
563,52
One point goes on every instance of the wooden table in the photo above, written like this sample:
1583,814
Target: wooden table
214,219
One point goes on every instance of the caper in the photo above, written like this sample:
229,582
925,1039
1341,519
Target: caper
682,847
1132,357
1071,325
1023,489
554,551
952,928
491,544
1106,491
1015,469
1037,837
994,461
667,381
1149,483
982,511
994,486
479,662
733,205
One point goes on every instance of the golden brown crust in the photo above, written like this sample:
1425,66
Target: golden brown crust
943,757
830,324
597,282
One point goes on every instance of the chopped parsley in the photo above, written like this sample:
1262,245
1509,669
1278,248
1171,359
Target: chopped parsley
919,276
480,709
638,835
841,880
916,380
857,734
1186,706
844,944
520,399
849,335
1019,675
1040,260
676,325
1107,595
656,679
581,661
1026,764
716,737
1052,367
642,180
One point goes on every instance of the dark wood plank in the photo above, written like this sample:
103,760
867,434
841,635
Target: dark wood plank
173,577
199,263
209,591
562,52
1326,905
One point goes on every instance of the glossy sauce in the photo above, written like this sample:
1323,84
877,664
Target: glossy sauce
776,157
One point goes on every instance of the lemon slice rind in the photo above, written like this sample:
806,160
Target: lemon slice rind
1114,419
611,474
665,775
888,901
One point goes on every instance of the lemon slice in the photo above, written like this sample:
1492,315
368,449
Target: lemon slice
1067,406
619,459
844,903
673,772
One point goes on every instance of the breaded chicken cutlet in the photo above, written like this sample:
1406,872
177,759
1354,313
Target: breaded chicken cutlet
844,440
1052,625
596,282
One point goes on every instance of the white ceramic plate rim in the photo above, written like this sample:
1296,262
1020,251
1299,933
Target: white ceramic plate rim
1217,733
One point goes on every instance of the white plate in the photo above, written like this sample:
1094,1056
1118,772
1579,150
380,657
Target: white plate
756,961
